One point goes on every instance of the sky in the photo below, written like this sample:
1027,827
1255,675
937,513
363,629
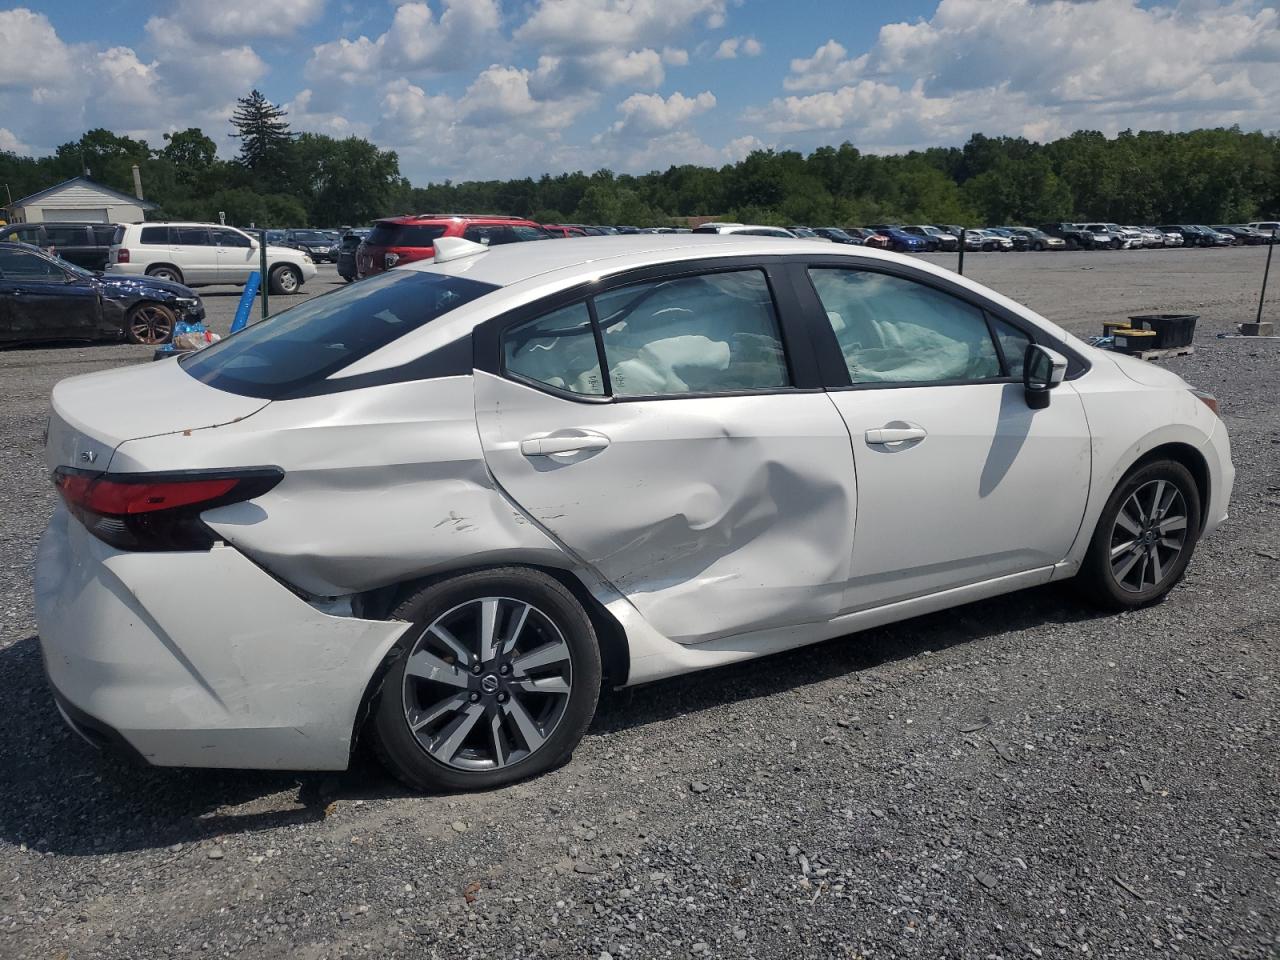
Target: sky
481,89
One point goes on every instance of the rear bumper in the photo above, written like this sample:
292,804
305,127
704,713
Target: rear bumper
198,659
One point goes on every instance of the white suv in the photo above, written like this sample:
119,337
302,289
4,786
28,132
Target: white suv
199,254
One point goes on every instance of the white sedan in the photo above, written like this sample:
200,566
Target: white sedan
441,507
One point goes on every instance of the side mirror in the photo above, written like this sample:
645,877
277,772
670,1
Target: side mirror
254,244
1042,370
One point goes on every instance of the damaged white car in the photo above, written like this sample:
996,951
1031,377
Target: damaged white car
442,507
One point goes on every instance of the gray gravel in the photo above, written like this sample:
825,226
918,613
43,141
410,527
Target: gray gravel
1017,778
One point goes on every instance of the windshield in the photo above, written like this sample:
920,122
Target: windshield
292,350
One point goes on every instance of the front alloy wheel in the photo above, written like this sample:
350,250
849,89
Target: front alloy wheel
1148,536
496,680
1144,538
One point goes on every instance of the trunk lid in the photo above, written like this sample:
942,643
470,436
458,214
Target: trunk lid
93,414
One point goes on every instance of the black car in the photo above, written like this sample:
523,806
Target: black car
1244,236
314,243
84,244
836,235
43,297
1076,236
346,258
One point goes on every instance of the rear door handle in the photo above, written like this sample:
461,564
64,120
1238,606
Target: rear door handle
548,446
881,435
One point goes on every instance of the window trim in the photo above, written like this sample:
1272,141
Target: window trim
798,354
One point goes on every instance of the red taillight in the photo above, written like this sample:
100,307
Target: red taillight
122,255
108,498
156,511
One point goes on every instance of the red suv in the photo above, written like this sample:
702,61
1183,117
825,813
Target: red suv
397,240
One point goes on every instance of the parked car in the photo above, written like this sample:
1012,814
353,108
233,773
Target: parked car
315,243
200,254
1038,240
808,233
951,228
348,243
1077,237
1108,235
1017,241
578,465
1151,237
943,241
1172,238
399,240
1244,235
84,244
837,235
989,241
43,297
868,237
1269,227
902,242
749,229
1197,235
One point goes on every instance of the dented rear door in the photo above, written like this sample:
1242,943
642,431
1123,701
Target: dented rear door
712,515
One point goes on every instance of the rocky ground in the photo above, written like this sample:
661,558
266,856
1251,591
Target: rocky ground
1016,778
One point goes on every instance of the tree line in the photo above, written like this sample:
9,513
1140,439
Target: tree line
282,178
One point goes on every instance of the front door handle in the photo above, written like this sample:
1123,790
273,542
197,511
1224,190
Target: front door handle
548,446
881,435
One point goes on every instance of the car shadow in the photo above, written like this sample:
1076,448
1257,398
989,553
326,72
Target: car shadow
59,795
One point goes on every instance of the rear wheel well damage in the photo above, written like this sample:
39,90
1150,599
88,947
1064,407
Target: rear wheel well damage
1189,457
378,604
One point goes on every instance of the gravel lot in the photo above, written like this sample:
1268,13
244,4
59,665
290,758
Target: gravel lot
1017,778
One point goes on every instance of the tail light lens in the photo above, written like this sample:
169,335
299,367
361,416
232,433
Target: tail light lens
122,255
153,511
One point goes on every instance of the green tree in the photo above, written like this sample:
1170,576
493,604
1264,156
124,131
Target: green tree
189,150
262,129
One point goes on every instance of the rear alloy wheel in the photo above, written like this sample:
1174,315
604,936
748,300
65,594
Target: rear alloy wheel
285,280
150,323
172,274
496,681
1144,538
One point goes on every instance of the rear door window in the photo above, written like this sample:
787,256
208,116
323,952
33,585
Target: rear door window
295,349
712,333
154,235
190,236
558,350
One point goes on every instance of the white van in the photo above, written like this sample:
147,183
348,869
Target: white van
200,254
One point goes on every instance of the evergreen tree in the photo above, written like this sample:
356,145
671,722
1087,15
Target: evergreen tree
261,128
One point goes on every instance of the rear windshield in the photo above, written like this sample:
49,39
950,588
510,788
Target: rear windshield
404,235
304,344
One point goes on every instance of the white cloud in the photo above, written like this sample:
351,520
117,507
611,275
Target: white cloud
646,114
245,19
828,67
578,26
9,143
675,56
1039,70
415,42
731,47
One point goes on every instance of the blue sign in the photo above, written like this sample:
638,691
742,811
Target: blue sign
246,302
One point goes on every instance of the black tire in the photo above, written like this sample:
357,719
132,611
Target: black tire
1039,246
285,280
150,323
1073,243
165,272
399,748
1116,243
1097,579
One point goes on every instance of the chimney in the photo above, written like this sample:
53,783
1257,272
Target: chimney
137,182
